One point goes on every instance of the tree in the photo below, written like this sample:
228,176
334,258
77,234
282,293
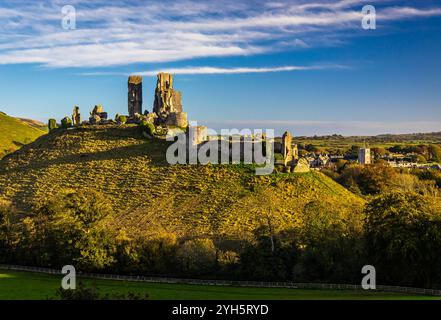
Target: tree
197,256
74,229
403,236
366,180
379,152
7,234
435,153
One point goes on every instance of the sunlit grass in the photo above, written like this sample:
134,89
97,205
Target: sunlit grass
35,286
148,195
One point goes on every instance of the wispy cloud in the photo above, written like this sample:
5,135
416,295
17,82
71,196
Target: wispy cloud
217,70
123,33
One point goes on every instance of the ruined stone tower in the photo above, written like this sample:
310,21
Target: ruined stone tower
76,116
289,152
168,102
167,99
135,95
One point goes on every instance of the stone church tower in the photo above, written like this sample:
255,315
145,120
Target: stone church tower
135,95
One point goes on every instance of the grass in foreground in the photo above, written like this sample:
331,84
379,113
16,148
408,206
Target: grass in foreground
33,286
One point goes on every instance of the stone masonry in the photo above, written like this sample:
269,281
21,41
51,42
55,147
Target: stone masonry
135,95
76,116
168,102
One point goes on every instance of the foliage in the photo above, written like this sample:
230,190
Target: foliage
197,256
121,119
380,178
66,122
148,127
52,124
93,293
403,232
7,237
435,153
73,229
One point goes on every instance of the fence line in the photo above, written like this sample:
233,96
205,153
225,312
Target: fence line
260,284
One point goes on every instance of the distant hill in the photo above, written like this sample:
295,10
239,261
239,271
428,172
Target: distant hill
412,138
15,132
34,123
150,196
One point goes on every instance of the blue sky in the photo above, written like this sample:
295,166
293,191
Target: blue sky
306,66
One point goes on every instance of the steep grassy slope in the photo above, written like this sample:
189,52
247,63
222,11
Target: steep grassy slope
149,196
15,132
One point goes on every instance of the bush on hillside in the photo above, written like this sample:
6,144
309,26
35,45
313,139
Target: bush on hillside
197,256
52,124
148,127
66,122
121,119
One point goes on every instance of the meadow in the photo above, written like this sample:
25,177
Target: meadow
19,285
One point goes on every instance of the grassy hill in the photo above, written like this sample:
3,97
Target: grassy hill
16,132
149,196
343,143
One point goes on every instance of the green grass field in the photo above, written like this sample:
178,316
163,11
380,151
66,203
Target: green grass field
27,285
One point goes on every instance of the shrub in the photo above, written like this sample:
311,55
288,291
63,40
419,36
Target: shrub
52,124
121,119
66,122
148,127
197,256
93,293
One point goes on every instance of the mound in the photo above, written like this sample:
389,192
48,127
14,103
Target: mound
15,132
149,196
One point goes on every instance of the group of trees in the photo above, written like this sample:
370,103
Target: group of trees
381,178
399,233
421,153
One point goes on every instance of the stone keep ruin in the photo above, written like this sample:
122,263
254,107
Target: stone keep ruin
168,102
135,95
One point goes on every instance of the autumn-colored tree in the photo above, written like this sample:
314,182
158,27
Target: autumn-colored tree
403,233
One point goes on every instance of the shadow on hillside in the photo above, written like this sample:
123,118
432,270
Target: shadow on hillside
18,144
109,133
153,150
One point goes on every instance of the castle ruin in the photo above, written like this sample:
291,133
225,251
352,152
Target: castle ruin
168,102
76,116
134,95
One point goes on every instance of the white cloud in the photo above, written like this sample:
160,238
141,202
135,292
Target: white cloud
123,33
218,70
215,70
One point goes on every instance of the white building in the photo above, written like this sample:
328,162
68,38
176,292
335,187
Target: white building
364,156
